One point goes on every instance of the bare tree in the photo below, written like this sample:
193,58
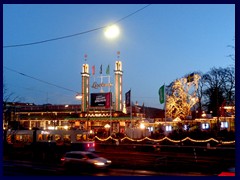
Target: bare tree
8,98
7,95
220,87
232,55
229,85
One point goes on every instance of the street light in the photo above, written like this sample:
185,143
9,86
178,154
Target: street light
142,126
107,127
79,96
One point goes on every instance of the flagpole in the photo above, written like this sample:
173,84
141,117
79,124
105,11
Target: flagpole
165,103
130,106
132,130
110,112
111,105
162,98
109,87
101,90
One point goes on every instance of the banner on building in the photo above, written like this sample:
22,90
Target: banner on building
108,100
101,99
128,98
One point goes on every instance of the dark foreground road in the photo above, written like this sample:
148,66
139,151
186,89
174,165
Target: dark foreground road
132,161
26,168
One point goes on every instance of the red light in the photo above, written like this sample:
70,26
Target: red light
88,145
227,174
63,159
93,144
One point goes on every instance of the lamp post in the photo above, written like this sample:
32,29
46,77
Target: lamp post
78,96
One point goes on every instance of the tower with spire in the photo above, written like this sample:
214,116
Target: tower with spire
118,84
85,86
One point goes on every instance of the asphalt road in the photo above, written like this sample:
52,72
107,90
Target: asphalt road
26,168
129,160
175,159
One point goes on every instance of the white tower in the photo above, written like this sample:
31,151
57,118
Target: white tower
85,87
118,85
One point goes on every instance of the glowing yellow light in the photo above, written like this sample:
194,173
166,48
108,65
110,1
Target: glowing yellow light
107,126
112,32
142,126
78,96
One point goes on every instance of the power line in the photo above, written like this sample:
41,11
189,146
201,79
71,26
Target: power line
53,39
40,80
132,14
77,34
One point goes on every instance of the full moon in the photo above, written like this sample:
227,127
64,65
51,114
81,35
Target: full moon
112,32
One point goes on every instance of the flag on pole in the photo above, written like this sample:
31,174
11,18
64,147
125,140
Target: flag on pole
161,93
128,98
101,69
190,77
108,70
93,70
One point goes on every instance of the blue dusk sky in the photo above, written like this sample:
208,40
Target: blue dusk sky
158,44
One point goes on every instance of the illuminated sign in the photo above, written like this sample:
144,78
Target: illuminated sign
95,85
45,132
101,99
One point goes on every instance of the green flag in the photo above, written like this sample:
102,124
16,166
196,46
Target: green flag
161,94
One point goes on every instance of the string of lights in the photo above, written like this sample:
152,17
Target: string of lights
76,34
165,138
41,80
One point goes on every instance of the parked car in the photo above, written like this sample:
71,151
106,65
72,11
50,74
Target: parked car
228,172
84,160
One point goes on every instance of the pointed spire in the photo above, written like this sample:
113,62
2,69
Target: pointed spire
118,54
85,57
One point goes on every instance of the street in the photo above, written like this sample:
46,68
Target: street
21,168
173,161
